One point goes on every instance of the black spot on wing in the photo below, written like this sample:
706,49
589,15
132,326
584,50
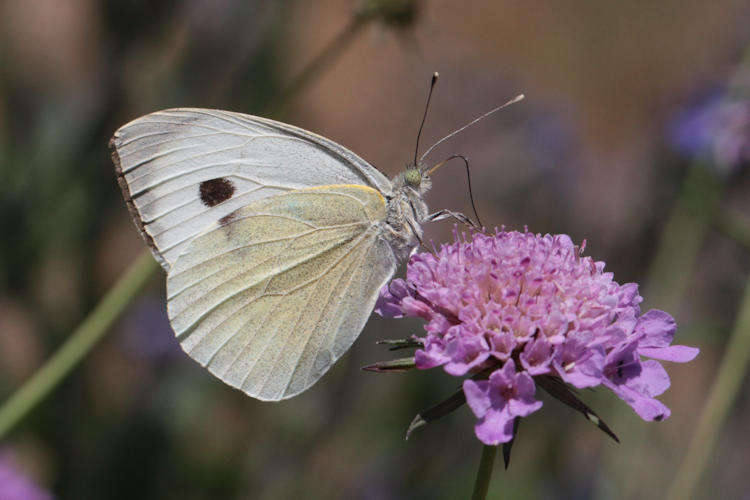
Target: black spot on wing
215,191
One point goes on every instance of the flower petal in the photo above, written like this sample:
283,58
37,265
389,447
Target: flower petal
496,427
674,353
658,327
647,408
477,396
537,356
523,404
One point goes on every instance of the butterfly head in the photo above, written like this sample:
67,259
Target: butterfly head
416,178
413,177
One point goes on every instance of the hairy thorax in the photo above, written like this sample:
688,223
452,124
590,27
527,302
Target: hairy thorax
406,211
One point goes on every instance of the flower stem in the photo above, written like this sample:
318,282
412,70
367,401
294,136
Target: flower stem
80,342
732,371
732,226
482,483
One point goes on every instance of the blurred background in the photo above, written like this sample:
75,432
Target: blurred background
634,135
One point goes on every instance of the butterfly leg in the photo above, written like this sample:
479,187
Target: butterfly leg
449,214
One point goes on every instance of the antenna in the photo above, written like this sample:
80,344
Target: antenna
424,116
488,113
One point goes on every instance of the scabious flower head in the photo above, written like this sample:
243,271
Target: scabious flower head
513,306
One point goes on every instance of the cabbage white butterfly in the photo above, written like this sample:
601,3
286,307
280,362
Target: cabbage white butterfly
275,241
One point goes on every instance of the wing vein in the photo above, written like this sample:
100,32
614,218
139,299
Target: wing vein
180,160
234,294
189,237
250,245
309,282
317,324
227,163
351,278
270,342
170,133
190,201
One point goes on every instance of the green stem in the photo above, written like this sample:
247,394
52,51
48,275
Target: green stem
733,227
79,343
482,483
678,249
732,371
682,238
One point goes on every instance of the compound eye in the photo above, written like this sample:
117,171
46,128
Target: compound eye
413,176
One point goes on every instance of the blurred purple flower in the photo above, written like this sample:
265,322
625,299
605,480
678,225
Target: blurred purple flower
716,129
552,140
15,485
523,305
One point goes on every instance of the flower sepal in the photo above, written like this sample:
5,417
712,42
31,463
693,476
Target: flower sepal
454,402
556,388
396,344
393,366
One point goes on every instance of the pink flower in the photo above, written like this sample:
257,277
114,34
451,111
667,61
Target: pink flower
512,306
498,401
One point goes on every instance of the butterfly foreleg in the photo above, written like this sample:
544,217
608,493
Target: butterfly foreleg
449,214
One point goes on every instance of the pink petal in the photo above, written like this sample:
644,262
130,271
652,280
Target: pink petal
675,353
495,428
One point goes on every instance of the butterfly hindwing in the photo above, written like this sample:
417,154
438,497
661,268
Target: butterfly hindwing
269,297
182,170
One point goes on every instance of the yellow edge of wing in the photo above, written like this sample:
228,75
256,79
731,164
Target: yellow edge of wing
356,186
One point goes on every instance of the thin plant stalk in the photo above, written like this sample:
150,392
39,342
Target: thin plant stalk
733,227
80,342
484,474
668,278
683,237
733,370
694,212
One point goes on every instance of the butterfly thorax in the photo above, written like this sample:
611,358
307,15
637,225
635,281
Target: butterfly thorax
406,211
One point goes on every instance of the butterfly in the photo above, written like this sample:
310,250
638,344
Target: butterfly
276,241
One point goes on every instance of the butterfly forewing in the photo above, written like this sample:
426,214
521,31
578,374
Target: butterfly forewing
270,296
183,169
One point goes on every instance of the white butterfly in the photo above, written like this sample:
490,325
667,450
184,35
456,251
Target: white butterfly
276,241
